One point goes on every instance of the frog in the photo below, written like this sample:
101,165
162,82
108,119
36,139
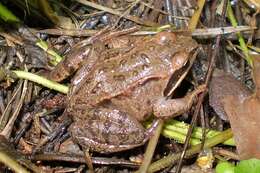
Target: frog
116,90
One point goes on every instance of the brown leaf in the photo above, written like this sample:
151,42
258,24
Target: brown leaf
221,86
245,123
244,116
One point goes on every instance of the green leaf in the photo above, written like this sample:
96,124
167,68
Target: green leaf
225,167
6,15
248,166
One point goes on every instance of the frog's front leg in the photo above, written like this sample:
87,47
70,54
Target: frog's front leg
70,63
166,108
78,56
105,129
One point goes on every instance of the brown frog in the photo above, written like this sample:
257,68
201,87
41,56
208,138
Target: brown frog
114,93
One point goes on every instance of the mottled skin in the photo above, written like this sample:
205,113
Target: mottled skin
123,88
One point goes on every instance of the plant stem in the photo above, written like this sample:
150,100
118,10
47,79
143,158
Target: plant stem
172,158
241,40
196,16
42,81
178,130
151,148
56,58
11,163
6,15
47,10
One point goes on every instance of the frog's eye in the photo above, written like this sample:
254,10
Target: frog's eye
165,37
180,59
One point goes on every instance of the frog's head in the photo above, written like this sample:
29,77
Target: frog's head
180,48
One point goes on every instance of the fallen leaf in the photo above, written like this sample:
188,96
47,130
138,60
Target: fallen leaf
244,116
222,85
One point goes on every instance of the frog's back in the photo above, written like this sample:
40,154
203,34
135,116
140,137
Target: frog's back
120,75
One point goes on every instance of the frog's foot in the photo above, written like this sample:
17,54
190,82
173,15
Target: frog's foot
108,130
164,108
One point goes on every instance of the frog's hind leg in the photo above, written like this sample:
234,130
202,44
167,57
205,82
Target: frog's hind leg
108,130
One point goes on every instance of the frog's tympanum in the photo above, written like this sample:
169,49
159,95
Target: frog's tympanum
120,84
